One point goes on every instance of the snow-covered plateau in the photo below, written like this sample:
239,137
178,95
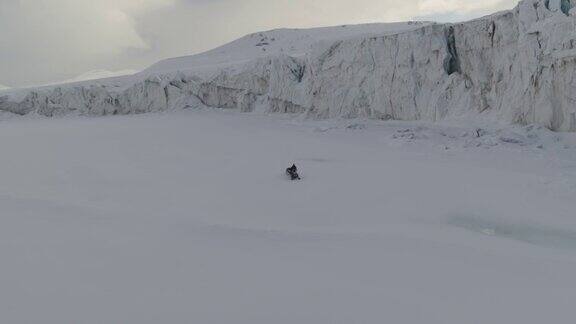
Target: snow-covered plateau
188,217
515,66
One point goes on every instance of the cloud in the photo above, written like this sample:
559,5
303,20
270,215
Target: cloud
54,38
98,28
459,10
440,6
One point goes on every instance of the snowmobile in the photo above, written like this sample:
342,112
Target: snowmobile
292,172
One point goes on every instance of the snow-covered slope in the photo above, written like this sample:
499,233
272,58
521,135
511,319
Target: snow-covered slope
3,87
188,218
515,66
292,42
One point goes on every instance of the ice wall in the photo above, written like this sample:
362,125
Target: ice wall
518,66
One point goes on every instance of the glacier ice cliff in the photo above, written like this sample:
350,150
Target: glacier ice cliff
517,66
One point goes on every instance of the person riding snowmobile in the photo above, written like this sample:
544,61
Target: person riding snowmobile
292,172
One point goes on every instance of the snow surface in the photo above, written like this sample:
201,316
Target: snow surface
188,218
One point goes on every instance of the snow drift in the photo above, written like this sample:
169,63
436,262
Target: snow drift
517,66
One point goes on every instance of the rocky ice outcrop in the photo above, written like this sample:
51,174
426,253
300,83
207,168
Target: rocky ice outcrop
518,66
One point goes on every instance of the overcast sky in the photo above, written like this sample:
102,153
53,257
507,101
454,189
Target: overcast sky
48,40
